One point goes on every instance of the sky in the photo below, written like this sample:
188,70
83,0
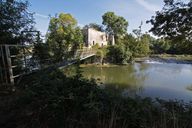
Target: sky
91,11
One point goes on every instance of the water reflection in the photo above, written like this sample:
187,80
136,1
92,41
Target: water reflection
125,79
167,81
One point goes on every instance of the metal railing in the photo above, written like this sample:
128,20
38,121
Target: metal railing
17,60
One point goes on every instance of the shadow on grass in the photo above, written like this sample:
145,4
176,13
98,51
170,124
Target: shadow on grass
52,100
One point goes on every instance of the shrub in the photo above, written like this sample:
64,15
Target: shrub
52,100
119,54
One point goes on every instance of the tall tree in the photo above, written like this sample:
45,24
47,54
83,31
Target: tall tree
138,32
115,25
63,35
174,22
14,18
95,26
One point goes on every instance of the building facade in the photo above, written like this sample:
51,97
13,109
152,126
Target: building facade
93,37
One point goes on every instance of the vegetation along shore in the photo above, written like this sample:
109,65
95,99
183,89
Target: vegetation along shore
89,75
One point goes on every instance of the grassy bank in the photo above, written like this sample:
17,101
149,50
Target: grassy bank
53,100
176,57
98,65
166,57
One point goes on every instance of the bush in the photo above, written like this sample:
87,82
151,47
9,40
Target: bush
118,54
41,52
52,100
96,46
100,55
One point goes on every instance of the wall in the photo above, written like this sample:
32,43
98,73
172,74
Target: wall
96,37
93,37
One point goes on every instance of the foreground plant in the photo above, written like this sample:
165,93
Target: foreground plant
52,100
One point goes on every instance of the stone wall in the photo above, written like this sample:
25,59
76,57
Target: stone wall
94,37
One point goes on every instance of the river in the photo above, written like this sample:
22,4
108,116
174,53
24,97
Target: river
152,79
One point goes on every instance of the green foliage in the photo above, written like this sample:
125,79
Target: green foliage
138,32
143,45
174,23
41,52
96,46
63,35
128,48
141,42
115,25
57,101
161,46
14,18
119,54
94,26
50,99
100,55
181,47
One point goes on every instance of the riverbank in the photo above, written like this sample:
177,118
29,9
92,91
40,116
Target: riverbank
176,57
52,100
99,65
166,58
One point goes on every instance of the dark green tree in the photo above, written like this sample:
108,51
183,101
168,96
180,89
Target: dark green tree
137,46
63,36
160,46
174,23
138,32
14,18
115,25
119,54
95,26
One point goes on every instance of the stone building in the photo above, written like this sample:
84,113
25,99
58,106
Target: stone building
93,37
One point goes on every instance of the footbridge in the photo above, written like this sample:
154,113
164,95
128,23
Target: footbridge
79,55
14,65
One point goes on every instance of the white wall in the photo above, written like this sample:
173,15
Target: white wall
96,37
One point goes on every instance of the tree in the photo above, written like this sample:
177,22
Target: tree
174,22
100,55
138,32
161,45
137,46
144,44
95,26
63,36
41,53
119,54
115,25
14,18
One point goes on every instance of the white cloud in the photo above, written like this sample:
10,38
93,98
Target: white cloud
148,6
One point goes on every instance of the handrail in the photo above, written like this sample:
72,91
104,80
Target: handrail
8,71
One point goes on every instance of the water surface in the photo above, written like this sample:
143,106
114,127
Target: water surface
165,81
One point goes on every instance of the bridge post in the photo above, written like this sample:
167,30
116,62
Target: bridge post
9,64
6,66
